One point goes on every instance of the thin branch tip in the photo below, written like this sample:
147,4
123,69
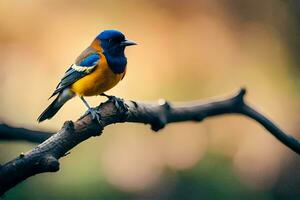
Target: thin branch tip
243,91
10,133
241,94
238,98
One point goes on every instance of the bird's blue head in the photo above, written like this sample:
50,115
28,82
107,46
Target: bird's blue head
113,42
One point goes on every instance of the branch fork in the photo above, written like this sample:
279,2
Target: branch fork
45,157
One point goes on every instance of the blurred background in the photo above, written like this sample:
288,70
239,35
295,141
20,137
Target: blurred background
187,50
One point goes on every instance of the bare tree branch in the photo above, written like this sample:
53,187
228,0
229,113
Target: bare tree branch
44,157
12,133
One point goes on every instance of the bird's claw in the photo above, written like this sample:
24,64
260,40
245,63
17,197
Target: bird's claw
118,102
94,113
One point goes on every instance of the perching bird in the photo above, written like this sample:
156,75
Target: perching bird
97,69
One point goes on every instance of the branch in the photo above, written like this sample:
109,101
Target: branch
44,157
12,133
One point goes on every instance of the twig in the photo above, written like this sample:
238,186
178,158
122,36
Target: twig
12,133
44,157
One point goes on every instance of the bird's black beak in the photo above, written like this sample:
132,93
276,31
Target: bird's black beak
127,43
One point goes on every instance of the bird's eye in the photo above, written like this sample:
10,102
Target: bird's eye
109,40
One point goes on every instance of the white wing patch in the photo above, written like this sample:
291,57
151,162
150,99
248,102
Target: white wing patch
85,69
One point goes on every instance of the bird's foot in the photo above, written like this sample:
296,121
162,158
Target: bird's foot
118,102
96,115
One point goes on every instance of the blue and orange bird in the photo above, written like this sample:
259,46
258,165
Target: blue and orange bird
97,69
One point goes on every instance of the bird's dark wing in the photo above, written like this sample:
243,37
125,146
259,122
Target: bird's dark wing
83,66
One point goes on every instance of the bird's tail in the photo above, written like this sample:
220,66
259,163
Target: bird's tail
54,107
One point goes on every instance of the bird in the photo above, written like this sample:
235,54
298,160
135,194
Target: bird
100,67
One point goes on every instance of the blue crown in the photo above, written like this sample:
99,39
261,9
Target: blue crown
110,34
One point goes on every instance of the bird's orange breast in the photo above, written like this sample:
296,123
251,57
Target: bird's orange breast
99,81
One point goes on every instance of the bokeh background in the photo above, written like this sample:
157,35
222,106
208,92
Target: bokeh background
187,50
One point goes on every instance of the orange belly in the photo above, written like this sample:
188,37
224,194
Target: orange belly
99,81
